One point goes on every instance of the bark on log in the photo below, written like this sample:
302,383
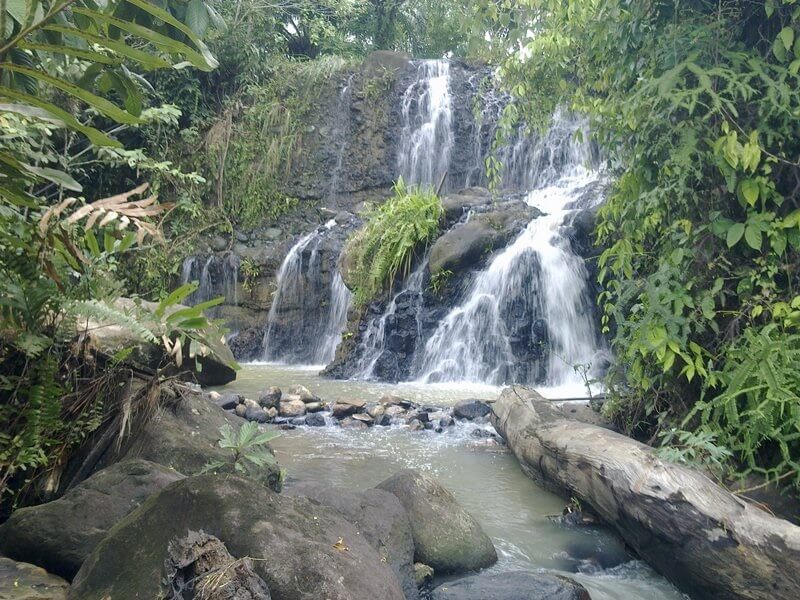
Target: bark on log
704,539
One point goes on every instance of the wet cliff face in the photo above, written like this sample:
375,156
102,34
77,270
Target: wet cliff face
496,298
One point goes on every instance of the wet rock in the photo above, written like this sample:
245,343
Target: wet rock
258,415
383,420
351,423
511,586
315,420
375,410
364,418
483,434
378,516
251,404
303,393
446,421
218,243
416,425
455,205
270,397
344,408
59,535
240,410
446,537
312,553
292,408
22,581
201,566
315,407
392,400
394,411
423,575
471,410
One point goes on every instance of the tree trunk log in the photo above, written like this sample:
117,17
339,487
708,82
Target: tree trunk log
704,539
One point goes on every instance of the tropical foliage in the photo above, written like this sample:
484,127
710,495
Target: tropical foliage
391,239
697,106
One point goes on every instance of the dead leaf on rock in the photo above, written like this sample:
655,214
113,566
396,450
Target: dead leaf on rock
340,546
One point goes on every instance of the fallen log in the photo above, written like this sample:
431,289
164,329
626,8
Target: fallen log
701,537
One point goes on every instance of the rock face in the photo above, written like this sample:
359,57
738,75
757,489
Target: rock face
446,537
21,581
309,553
200,564
380,518
464,246
59,535
511,586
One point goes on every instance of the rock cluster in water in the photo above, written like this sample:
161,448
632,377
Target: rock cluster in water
299,407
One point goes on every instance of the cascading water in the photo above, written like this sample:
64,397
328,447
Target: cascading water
218,276
309,310
532,300
426,138
379,332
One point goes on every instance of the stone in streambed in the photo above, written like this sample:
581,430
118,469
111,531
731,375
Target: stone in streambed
315,420
446,537
471,410
344,408
364,418
315,407
303,393
226,402
59,535
378,516
270,397
22,581
240,410
416,425
351,423
292,408
511,586
259,415
383,421
310,553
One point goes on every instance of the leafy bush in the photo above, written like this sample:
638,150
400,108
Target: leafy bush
249,449
389,241
696,105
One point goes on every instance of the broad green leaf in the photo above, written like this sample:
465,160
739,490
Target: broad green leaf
109,109
95,135
197,16
787,37
31,112
752,236
750,191
87,55
145,59
735,234
55,176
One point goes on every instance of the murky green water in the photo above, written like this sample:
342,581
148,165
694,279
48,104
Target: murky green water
487,481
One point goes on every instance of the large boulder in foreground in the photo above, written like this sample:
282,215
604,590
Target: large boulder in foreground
301,550
184,435
446,537
21,581
511,586
59,535
380,518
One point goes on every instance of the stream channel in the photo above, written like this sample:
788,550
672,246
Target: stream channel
485,478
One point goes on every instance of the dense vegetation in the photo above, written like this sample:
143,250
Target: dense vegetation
394,235
697,106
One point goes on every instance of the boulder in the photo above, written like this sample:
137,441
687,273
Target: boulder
466,245
292,408
315,420
240,410
59,535
471,409
270,397
21,581
455,205
308,552
315,407
392,400
375,410
511,586
364,418
446,537
201,565
351,423
259,415
341,409
303,393
379,517
184,436
228,401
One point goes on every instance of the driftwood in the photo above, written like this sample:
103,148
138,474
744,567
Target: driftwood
704,539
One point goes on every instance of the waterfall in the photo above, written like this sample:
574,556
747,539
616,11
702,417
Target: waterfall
426,138
528,316
309,310
218,276
378,335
